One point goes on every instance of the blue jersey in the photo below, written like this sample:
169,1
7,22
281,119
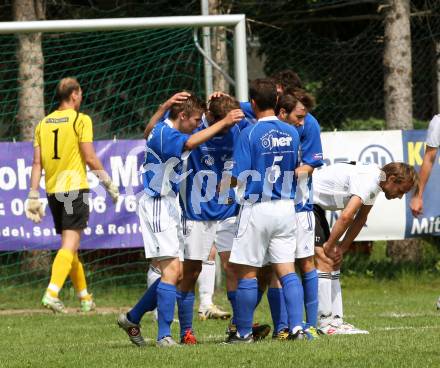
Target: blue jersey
206,166
162,167
310,154
248,112
266,156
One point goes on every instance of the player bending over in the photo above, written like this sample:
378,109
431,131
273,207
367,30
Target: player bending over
353,188
63,145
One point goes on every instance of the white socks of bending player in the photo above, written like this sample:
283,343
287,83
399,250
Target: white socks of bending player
206,283
336,295
324,295
329,295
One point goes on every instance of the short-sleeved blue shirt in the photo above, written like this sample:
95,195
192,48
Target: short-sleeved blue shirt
266,156
164,154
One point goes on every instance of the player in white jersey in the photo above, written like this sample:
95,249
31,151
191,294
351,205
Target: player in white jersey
432,145
352,187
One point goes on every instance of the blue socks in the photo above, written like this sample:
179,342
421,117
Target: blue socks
147,303
185,308
246,300
294,297
232,299
278,309
310,286
166,298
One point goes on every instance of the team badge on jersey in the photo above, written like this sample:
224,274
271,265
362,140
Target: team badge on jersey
208,160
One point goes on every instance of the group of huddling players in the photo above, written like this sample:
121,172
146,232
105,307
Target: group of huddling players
234,177
239,175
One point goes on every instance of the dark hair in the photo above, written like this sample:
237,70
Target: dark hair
305,98
286,102
264,92
403,173
288,79
65,87
220,106
189,106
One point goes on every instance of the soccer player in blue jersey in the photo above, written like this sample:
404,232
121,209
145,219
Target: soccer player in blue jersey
265,158
296,111
168,146
201,205
293,109
200,212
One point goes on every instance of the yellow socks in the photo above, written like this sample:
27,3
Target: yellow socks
60,269
78,278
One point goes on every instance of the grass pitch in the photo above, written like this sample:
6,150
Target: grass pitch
400,315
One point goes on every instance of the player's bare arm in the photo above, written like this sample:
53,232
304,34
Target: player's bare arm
233,117
175,99
94,163
34,208
36,169
425,171
355,228
341,225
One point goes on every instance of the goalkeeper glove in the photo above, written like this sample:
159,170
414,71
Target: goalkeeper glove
34,208
111,189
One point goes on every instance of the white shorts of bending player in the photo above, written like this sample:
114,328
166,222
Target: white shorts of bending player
305,237
266,233
160,220
198,238
226,231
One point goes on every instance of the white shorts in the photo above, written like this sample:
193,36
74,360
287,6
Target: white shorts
160,225
305,237
266,233
198,239
226,231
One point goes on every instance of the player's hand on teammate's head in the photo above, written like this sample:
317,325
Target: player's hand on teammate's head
34,208
111,189
217,94
233,117
416,206
177,98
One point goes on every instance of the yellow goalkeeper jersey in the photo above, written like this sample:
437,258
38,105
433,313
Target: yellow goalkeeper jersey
58,135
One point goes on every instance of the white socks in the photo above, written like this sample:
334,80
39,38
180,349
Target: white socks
152,275
324,294
337,309
206,283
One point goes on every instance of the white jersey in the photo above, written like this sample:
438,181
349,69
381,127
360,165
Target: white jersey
433,136
334,185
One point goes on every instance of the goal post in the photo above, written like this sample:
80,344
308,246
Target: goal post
126,67
238,21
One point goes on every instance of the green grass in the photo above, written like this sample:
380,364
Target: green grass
400,315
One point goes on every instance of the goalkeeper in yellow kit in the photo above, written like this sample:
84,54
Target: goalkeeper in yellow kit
63,145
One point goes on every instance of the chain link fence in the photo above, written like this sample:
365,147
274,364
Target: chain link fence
335,46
